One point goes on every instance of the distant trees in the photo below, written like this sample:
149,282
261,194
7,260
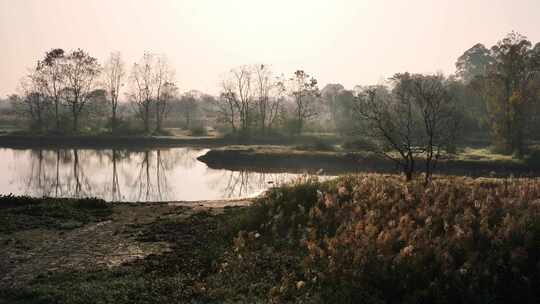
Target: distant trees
188,107
165,89
512,90
304,90
49,75
340,103
251,98
269,92
475,62
71,85
507,78
226,106
142,88
114,75
417,119
58,80
33,103
239,95
151,88
495,89
168,93
81,73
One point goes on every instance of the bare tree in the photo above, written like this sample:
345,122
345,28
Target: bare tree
81,72
34,102
304,90
151,80
114,74
188,107
417,119
165,89
439,117
50,76
390,122
269,95
238,97
142,88
227,107
169,91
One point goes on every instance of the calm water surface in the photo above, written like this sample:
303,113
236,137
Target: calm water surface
126,175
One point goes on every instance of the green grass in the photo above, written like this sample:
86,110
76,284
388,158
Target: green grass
176,276
483,154
24,213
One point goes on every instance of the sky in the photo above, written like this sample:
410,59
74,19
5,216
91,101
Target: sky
359,42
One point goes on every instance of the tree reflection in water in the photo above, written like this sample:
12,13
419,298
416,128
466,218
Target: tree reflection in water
43,177
116,194
245,183
128,175
154,168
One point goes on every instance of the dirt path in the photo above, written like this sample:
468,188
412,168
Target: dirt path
27,254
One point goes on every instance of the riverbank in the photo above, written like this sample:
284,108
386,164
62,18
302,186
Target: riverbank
306,153
365,238
82,251
111,141
470,162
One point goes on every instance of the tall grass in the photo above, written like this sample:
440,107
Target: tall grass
375,239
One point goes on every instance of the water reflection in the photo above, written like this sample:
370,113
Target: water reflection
126,175
244,183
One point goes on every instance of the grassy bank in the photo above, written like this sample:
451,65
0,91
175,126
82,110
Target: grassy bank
335,160
356,239
288,158
309,152
116,253
26,213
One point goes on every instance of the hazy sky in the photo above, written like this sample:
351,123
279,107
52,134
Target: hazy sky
348,42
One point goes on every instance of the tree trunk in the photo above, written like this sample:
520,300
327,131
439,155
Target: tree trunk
158,120
56,115
75,120
113,120
408,174
146,118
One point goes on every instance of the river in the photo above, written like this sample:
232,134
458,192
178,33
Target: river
141,175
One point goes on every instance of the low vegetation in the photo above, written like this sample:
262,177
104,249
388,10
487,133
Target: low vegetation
23,213
375,239
356,239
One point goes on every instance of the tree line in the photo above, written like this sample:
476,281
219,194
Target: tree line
493,94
